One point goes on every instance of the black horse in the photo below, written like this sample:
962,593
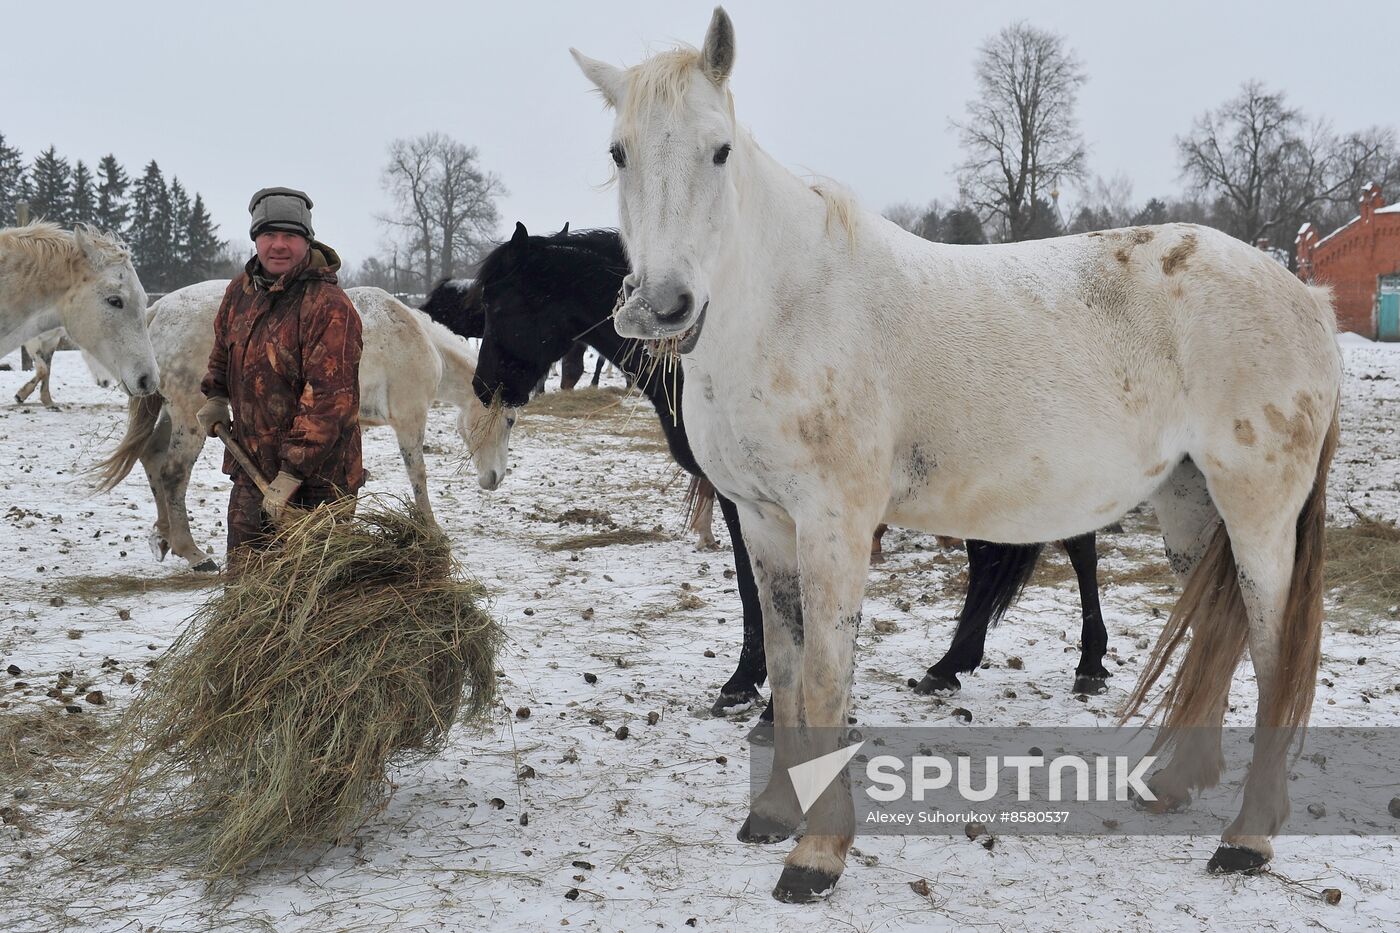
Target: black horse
448,302
540,293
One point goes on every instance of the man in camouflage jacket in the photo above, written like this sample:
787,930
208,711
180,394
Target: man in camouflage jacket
285,371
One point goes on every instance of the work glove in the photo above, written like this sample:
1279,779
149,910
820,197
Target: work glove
279,493
214,411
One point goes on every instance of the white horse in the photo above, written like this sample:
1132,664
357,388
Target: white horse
408,362
841,373
84,282
41,350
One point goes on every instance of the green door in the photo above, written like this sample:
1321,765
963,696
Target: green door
1388,313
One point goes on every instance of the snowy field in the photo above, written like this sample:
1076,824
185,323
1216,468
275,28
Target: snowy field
638,833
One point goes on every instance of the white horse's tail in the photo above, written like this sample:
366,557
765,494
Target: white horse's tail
699,498
1212,605
141,417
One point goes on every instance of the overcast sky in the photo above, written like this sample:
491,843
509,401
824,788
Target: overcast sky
237,96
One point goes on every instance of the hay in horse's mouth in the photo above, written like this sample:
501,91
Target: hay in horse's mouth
691,335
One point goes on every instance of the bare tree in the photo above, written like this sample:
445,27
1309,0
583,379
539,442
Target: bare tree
1268,167
444,204
1020,135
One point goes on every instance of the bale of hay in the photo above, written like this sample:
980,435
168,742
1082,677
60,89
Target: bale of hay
350,646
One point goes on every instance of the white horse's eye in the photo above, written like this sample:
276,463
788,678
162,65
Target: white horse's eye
510,421
618,156
722,154
115,302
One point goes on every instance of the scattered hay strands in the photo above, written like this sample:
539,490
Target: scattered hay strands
351,646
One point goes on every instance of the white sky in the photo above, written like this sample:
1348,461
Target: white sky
233,97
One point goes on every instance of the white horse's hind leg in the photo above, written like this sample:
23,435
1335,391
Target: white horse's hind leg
186,442
1187,518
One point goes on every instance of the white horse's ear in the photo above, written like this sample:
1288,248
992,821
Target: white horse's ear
717,55
608,79
89,247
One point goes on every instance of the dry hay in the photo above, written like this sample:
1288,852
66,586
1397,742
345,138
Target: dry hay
349,647
619,536
577,403
1364,559
37,742
94,587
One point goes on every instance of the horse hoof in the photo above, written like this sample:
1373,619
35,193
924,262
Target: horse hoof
799,885
1090,684
767,714
736,701
1236,860
938,684
761,734
762,831
1165,803
208,565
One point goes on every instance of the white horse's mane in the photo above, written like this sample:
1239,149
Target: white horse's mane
662,78
46,244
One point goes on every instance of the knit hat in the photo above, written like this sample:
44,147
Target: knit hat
281,209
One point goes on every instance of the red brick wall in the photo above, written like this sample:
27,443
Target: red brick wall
1351,260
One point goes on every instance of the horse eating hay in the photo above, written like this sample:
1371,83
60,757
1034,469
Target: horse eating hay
1027,392
352,645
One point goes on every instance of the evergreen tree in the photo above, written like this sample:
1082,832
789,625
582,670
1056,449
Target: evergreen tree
179,232
963,226
202,242
1154,212
51,178
149,232
14,182
112,209
83,205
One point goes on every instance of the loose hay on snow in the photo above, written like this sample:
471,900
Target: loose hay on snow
1364,559
349,647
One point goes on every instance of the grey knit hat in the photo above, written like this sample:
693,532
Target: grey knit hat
281,209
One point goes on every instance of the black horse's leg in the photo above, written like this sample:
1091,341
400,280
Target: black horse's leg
1090,676
996,574
598,369
742,689
571,367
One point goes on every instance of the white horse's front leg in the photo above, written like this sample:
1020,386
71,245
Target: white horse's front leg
772,545
834,557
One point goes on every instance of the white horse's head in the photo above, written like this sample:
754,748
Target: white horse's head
104,312
486,429
675,146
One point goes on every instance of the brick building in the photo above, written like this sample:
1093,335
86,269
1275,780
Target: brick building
1353,260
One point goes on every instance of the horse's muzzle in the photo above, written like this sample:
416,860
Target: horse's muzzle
654,314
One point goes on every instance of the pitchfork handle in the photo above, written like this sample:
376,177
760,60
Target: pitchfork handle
241,455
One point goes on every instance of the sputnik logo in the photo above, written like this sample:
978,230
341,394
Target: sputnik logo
811,778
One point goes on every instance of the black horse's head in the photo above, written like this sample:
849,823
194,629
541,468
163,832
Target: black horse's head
456,303
539,293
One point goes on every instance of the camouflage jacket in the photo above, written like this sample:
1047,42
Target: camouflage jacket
287,357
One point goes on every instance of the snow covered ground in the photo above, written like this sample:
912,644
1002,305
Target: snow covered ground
638,833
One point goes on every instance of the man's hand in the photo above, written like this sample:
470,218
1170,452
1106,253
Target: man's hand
279,493
214,412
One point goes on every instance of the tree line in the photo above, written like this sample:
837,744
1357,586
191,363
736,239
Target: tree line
1255,167
173,239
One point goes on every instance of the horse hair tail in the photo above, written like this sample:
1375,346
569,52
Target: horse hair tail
699,498
994,587
1212,608
141,416
1290,697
